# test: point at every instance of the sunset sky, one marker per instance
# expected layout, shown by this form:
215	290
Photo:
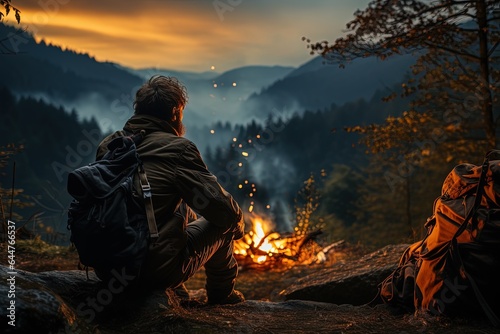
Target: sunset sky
188	35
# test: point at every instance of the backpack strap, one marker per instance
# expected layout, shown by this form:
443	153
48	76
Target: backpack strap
146	191
454	243
478	197
148	203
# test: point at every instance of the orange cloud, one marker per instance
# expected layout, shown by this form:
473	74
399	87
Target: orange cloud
160	39
185	34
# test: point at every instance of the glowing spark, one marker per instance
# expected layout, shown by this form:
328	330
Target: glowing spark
240	164
240	186
212	67
268	206
246	181
258	136
250	209
212	131
215	85
234	84
234	139
245	154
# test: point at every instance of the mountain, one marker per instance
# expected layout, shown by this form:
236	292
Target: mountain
185	77
35	64
316	85
219	97
251	78
67	78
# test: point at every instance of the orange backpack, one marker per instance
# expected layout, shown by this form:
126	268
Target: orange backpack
455	269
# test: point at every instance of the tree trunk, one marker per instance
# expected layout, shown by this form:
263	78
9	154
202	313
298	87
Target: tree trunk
485	99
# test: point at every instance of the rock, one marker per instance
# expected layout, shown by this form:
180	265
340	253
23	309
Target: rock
352	283
32	308
71	302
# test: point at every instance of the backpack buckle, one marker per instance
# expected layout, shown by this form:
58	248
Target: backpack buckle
146	190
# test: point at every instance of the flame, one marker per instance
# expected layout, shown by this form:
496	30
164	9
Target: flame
261	244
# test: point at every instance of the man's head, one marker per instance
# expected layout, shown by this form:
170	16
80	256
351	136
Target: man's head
162	97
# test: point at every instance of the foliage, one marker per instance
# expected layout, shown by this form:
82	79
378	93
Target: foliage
340	193
7	4
306	204
42	248
456	41
10	197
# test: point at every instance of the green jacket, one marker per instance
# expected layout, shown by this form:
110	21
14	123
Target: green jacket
178	176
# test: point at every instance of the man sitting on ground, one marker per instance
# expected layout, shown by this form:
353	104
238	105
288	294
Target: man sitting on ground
181	184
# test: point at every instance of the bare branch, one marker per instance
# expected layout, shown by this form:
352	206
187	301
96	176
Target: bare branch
493	48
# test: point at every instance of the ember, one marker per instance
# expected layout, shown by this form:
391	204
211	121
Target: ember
263	248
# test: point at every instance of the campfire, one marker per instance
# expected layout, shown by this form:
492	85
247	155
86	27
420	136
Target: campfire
262	248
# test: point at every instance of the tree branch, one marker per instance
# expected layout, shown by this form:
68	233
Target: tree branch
453	51
493	48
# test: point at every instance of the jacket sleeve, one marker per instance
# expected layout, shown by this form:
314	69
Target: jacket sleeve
201	191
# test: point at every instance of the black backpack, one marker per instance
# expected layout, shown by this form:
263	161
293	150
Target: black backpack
111	226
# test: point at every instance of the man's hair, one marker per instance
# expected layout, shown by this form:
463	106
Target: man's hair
159	96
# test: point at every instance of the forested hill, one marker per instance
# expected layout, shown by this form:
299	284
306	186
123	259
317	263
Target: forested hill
317	85
276	157
31	67
55	141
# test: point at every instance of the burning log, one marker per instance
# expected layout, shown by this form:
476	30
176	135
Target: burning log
269	250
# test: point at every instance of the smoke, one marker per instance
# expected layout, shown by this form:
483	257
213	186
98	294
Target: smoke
109	115
272	169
